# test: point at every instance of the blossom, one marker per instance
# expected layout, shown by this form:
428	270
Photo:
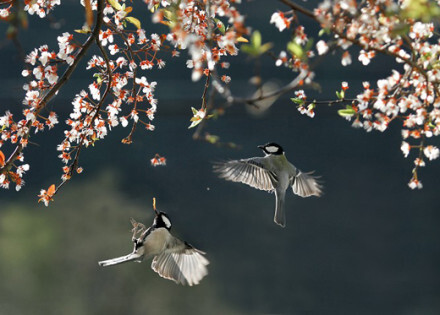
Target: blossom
431	152
419	162
405	147
114	49
158	160
94	90
4	13
415	183
346	59
282	59
321	47
365	57
226	79
300	94
46	195
198	116
280	21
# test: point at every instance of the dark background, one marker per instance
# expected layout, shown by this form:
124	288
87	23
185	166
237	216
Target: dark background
370	245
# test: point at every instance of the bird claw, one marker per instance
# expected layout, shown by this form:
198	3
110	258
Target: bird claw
138	228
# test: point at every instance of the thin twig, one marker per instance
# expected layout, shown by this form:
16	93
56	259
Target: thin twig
54	90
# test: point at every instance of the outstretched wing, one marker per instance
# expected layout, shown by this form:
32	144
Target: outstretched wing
306	185
247	171
181	263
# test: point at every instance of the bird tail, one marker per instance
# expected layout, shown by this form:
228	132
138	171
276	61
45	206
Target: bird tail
306	185
120	260
280	214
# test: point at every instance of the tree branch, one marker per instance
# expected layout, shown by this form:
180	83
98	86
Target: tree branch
299	8
53	91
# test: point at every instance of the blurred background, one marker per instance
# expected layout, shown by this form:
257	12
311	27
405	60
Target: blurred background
370	245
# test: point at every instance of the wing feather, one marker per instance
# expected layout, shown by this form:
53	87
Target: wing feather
181	263
306	185
247	171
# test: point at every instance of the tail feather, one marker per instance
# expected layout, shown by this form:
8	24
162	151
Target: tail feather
306	185
280	214
120	260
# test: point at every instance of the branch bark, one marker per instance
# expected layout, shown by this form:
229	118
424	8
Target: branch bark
54	90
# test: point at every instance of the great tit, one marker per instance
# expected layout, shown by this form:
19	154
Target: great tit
272	173
173	259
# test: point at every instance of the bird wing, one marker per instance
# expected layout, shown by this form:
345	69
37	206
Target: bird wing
181	263
306	185
120	260
247	171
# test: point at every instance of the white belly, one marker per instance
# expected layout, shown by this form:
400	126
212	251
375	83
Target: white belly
156	242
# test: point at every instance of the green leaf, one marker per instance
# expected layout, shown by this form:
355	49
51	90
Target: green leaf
83	31
297	100
341	94
134	21
256	39
266	47
212	138
115	4
324	31
309	45
255	48
295	49
248	49
420	10
347	112
220	26
98	77
195	123
400	29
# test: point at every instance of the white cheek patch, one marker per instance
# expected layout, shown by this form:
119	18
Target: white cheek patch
166	221
272	149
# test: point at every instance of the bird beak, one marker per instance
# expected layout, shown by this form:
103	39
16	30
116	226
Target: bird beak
260	147
154	206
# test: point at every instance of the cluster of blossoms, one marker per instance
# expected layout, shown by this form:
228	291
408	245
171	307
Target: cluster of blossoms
5	12
42	70
298	53
16	176
411	95
132	96
119	94
122	93
198	27
40	7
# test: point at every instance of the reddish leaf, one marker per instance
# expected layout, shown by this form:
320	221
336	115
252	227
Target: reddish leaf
2	159
51	190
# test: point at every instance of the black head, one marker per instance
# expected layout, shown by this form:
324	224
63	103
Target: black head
272	149
162	220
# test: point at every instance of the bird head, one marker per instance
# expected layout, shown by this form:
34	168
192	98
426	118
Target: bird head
271	149
161	220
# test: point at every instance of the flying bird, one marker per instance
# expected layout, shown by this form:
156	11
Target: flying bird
272	173
173	259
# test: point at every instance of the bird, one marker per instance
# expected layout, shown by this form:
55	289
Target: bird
173	258
272	173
